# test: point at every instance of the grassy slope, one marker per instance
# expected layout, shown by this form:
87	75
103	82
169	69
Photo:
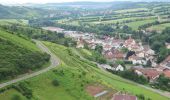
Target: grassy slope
73	82
19	41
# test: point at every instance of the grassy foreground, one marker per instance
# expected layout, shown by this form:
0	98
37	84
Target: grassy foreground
73	76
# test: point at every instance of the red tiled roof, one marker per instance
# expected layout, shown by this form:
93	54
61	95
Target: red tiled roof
166	60
108	55
107	46
117	54
167	73
125	97
149	72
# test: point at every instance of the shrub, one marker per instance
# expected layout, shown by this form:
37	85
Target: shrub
16	97
24	89
55	82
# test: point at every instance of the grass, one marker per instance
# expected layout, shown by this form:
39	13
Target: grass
8	95
131	10
135	25
122	20
18	21
19	41
159	27
74	75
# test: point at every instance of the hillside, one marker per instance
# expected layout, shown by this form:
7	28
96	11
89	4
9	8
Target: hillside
18	56
73	77
7	12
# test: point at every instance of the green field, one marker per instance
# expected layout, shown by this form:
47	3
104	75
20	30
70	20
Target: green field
74	75
159	27
17	21
135	25
131	10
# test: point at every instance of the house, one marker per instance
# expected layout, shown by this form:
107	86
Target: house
149	73
137	60
166	73
118	55
132	45
167	45
80	43
118	67
107	47
148	51
166	62
105	66
140	54
108	54
124	97
117	43
129	41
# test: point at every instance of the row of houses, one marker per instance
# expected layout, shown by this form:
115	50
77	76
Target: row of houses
153	73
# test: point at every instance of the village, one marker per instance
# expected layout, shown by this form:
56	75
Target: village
139	56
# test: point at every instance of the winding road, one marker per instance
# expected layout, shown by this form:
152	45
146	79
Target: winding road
54	62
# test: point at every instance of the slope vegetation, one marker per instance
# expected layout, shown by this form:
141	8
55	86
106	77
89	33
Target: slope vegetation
73	75
18	56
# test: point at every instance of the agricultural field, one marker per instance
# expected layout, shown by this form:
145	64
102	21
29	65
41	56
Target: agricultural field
159	27
135	25
12	21
132	10
73	76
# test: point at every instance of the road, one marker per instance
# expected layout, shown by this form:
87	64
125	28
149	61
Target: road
54	62
163	93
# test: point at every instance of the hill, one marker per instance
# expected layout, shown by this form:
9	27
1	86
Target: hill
70	80
7	12
18	56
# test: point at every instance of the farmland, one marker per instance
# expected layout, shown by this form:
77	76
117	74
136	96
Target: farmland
159	27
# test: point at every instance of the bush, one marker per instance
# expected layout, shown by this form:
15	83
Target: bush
55	82
24	89
16	97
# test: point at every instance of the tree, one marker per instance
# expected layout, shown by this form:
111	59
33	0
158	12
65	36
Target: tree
149	63
156	46
16	97
99	48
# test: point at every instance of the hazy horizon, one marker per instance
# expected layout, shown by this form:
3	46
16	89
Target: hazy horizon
51	1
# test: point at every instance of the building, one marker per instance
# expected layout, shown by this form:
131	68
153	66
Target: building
117	43
124	97
80	43
166	63
118	55
132	45
137	60
54	29
118	67
108	55
166	73
167	45
150	73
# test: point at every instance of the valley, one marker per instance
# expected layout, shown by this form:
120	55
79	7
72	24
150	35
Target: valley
85	51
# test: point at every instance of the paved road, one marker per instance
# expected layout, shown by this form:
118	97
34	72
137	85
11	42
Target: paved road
163	93
54	62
